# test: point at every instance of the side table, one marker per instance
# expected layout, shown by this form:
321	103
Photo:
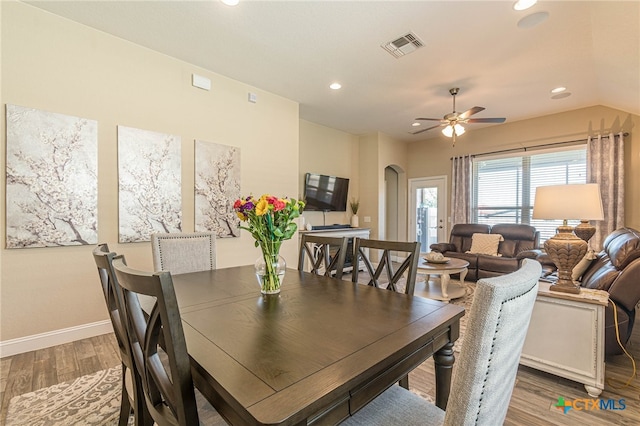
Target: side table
444	291
566	336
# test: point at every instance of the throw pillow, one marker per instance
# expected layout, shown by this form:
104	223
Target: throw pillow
582	266
485	244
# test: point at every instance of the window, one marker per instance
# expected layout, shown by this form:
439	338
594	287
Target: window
504	186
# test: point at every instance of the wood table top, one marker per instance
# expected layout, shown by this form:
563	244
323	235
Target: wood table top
287	358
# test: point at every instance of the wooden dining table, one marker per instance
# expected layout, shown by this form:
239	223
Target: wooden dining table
313	354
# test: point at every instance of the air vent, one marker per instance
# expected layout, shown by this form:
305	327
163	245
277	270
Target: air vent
403	45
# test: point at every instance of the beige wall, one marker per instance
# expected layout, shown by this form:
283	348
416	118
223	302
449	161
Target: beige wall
393	153
331	152
432	157
57	65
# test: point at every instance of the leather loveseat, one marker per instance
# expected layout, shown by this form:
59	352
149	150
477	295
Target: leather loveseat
616	269
518	242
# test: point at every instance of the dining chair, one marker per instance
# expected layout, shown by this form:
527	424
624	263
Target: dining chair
485	373
321	258
180	253
376	272
159	347
132	396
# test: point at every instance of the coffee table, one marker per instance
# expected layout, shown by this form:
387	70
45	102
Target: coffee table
444	290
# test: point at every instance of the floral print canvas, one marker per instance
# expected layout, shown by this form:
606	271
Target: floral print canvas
52	188
149	184
217	185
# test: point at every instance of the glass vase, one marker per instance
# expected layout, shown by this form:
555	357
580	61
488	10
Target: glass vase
270	268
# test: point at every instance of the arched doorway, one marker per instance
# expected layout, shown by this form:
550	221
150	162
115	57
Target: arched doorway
395	204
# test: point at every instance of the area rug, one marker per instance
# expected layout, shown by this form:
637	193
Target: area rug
93	399
465	302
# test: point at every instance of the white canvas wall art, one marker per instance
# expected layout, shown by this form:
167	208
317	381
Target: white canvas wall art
52	190
217	186
149	184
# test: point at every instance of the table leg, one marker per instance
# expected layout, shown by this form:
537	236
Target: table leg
444	282
443	361
463	275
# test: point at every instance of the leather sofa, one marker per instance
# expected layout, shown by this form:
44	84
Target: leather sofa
616	269
519	241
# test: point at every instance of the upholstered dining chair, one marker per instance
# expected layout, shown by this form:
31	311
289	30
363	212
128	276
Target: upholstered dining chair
384	269
132	396
485	372
159	348
322	260
180	253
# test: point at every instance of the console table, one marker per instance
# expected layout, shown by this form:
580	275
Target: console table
566	336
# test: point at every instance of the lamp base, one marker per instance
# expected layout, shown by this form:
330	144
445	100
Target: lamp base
566	250
585	230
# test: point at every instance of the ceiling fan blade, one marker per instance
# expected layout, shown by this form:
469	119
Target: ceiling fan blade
486	120
430	119
424	130
470	112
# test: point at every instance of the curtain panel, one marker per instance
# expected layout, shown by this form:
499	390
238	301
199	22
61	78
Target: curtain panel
461	175
605	166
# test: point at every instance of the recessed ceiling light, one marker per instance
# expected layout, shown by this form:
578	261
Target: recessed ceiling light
558	89
416	124
561	95
524	4
532	20
335	86
230	2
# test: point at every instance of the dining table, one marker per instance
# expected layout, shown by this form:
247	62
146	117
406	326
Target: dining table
313	354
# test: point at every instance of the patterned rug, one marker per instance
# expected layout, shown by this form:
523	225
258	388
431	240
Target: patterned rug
465	302
93	399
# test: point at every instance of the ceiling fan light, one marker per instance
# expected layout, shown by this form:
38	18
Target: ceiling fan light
448	131
524	4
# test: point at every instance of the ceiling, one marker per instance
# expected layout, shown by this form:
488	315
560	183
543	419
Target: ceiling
297	48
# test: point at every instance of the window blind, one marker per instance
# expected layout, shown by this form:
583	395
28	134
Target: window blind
504	186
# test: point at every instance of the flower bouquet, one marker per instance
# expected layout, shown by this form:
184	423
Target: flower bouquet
270	221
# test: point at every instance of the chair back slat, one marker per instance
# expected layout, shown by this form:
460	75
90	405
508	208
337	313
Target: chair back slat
326	255
158	344
133	398
384	268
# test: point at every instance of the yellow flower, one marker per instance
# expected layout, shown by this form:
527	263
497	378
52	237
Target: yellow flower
242	216
262	207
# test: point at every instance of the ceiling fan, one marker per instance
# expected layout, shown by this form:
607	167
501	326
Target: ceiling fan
454	120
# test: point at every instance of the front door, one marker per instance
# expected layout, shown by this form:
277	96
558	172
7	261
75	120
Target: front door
427	211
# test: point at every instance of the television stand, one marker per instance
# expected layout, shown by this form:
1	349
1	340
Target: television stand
325	227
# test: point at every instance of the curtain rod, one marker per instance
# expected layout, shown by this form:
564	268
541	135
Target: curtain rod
532	148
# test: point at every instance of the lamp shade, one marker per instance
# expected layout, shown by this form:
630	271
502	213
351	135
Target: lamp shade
577	201
448	131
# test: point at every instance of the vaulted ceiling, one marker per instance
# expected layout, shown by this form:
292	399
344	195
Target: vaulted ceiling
504	60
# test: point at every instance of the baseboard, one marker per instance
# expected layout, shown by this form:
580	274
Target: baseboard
53	338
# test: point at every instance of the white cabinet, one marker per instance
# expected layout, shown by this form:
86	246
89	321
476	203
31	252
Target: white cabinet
566	336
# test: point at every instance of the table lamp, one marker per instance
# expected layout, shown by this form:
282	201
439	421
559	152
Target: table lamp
566	249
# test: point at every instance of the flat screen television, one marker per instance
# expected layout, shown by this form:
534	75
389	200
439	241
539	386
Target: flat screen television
325	193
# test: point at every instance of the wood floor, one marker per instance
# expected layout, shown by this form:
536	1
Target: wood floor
532	403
